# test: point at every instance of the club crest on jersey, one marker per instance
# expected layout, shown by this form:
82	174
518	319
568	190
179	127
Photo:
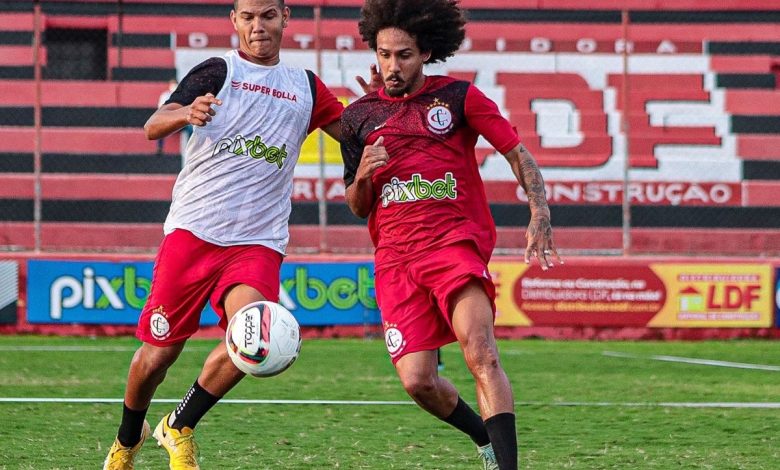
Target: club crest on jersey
394	339
419	189
158	324
254	148
439	118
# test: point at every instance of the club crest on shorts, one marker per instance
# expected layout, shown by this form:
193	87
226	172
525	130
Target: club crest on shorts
158	324
439	118
394	339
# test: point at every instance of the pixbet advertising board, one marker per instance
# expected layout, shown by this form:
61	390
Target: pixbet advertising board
96	292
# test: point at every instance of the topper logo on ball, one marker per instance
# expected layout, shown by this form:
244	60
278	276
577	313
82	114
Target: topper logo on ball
249	330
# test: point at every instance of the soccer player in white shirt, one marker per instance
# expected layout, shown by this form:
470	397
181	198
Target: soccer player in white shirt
227	228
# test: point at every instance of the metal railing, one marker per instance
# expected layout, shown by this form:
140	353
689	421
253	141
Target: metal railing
673	120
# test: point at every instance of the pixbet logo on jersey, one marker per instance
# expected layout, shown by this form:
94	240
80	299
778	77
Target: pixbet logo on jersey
419	189
254	148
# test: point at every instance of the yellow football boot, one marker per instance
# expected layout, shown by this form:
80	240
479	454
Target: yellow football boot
121	457
180	445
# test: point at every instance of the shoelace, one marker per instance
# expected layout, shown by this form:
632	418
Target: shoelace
189	450
123	456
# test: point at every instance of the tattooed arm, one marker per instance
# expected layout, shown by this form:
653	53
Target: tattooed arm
539	233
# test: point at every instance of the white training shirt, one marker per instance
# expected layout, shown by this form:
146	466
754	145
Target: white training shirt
236	183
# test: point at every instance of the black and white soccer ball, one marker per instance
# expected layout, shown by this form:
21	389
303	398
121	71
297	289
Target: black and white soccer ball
263	339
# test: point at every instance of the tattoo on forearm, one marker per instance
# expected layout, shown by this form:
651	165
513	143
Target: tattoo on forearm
533	184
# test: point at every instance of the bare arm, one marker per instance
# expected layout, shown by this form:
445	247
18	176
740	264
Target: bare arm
360	197
173	116
334	129
360	194
539	233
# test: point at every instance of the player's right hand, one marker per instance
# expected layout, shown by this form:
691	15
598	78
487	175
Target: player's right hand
200	111
374	83
374	157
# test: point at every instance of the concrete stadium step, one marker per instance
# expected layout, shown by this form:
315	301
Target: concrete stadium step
83	140
82	93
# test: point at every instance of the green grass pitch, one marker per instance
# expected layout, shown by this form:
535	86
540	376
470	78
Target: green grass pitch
577	407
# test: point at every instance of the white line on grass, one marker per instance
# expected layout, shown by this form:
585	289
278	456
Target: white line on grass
691	360
664	404
88	348
236	401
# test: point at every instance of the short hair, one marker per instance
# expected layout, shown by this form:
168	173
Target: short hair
235	4
438	26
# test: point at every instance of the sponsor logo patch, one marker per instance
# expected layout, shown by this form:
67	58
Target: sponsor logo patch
263	89
254	148
419	189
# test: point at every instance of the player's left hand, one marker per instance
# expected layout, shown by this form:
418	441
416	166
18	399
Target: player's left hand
374	157
375	81
540	242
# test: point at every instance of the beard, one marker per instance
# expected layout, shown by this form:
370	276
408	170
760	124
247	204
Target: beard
401	89
397	92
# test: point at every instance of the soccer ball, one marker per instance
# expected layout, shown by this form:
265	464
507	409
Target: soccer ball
263	339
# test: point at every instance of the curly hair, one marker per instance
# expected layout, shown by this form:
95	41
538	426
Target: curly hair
438	26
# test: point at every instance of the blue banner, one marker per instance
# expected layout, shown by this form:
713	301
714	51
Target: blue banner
90	292
113	293
330	293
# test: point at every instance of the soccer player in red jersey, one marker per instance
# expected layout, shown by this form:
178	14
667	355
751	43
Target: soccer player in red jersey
410	168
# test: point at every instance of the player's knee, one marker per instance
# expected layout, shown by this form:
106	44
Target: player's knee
155	361
239	296
419	387
482	358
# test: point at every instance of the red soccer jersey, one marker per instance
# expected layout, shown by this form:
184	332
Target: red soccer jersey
430	193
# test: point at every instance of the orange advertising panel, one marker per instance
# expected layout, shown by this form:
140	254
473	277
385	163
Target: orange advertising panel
716	295
625	294
505	275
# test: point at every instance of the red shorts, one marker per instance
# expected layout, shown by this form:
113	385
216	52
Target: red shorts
188	272
414	298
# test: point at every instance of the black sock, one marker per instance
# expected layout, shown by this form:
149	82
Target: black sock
196	403
130	428
501	429
465	419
